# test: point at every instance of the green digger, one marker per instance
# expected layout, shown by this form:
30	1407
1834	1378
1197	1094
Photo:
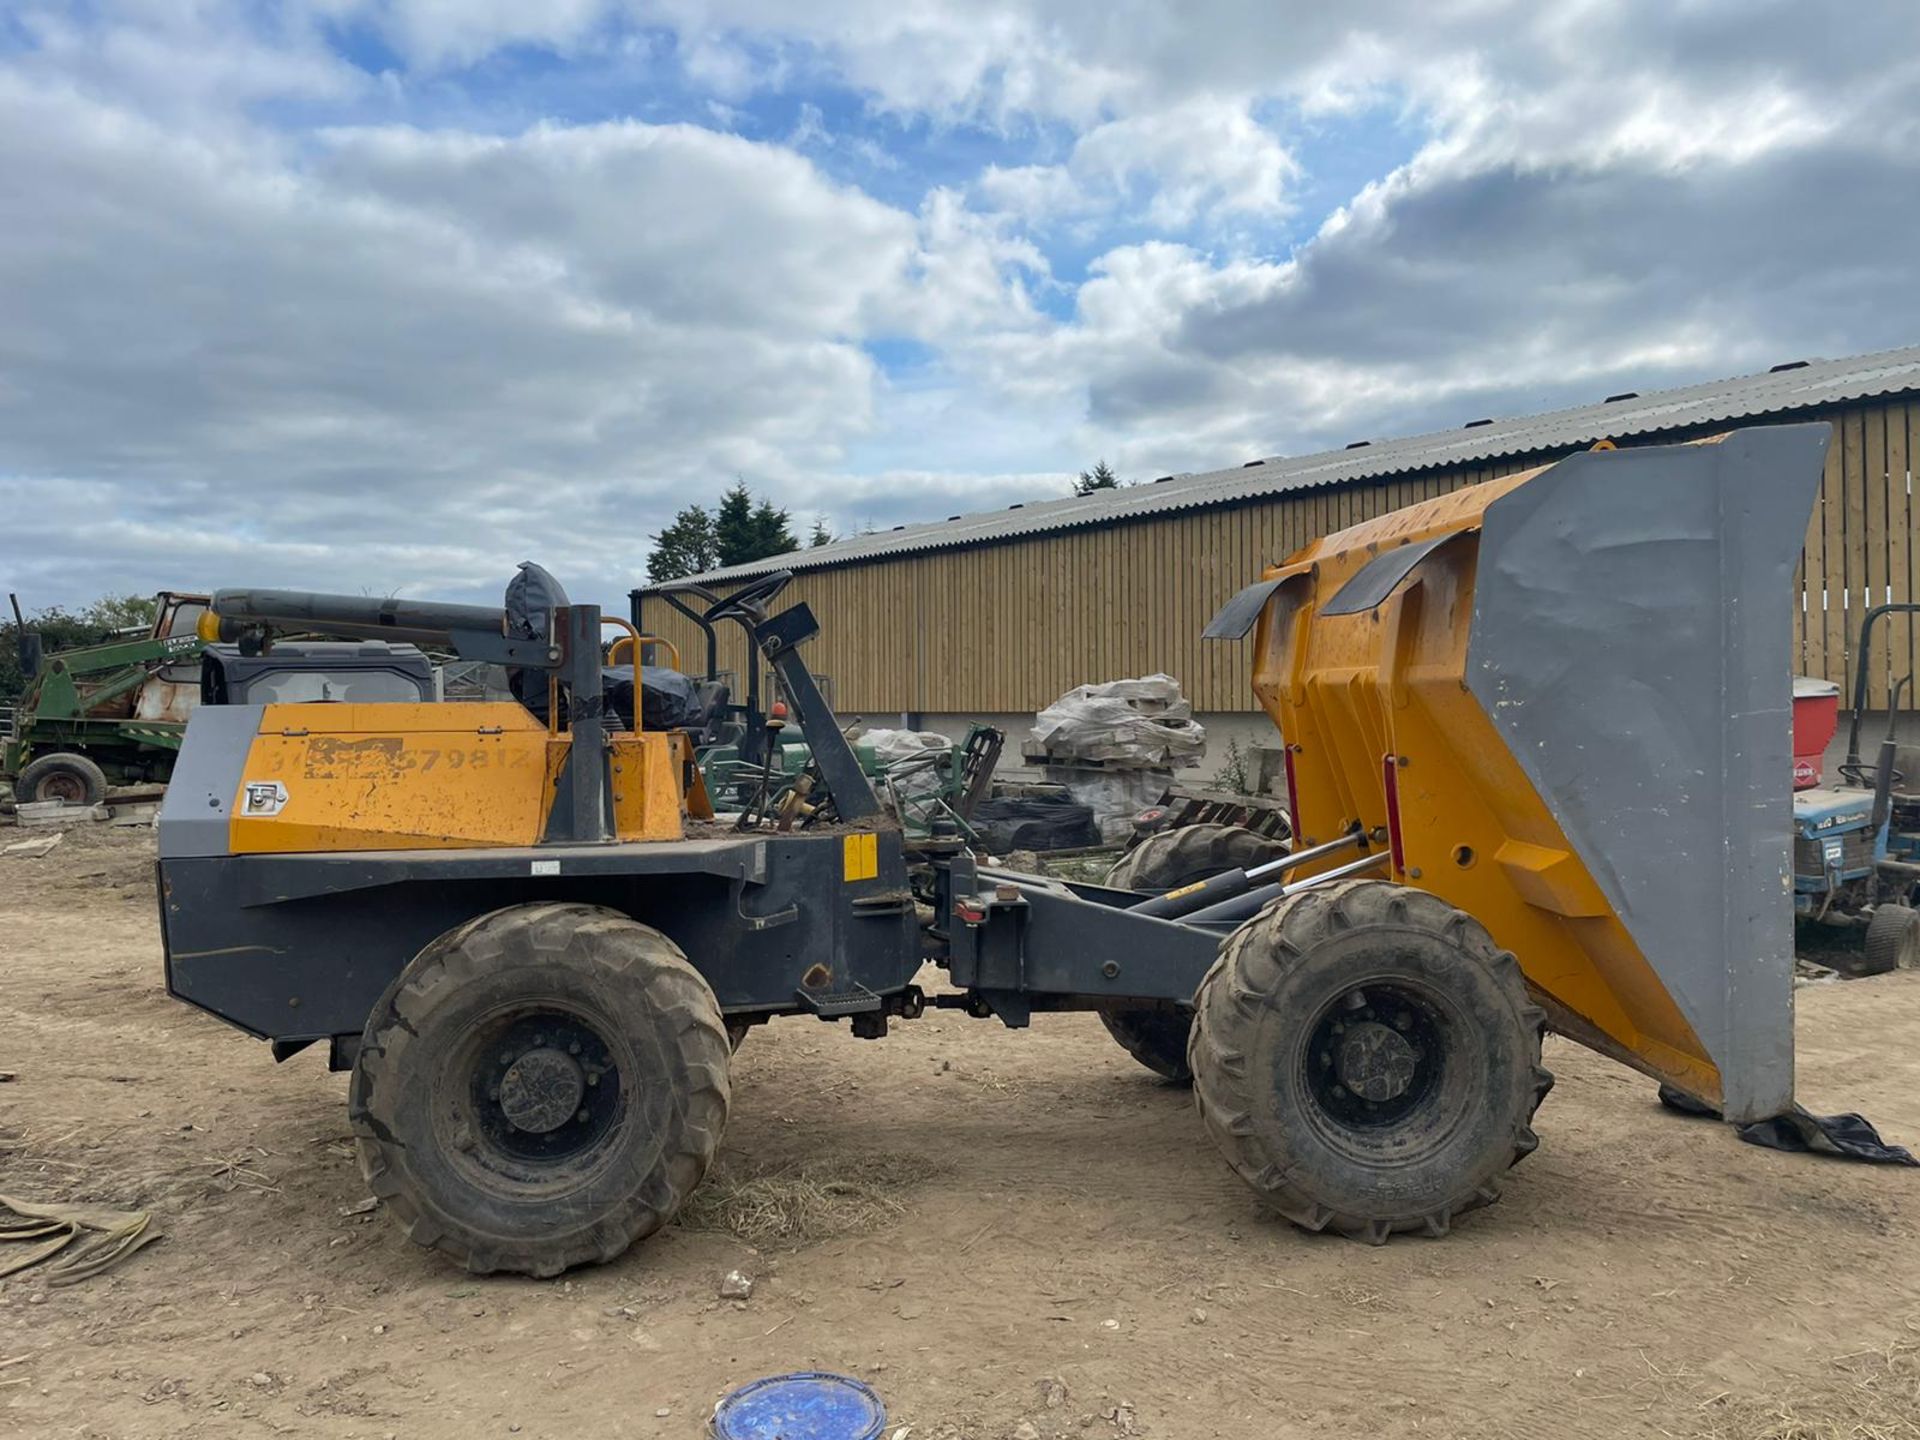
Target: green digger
115	713
107	714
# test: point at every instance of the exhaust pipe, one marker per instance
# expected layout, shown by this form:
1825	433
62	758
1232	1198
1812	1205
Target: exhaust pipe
32	648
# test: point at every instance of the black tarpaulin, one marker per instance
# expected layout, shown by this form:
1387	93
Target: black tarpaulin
1849	1136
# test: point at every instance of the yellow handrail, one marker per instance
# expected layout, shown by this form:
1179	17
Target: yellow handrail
634	638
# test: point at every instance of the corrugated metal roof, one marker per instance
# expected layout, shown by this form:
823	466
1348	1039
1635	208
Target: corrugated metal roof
1798	386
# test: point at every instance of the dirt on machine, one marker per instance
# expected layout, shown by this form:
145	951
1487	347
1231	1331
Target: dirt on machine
1535	738
115	713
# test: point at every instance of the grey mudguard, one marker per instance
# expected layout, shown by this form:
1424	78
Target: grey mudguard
1381	576
198	804
1238	615
1631	630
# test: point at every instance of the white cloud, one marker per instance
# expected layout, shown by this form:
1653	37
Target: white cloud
381	354
1200	160
444	33
1034	193
1202	157
970	276
181	62
476	348
672	221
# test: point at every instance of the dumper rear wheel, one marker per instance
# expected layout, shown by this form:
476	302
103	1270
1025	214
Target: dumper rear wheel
1157	1038
1367	1059
540	1088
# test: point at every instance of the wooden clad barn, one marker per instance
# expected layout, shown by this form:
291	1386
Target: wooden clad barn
999	613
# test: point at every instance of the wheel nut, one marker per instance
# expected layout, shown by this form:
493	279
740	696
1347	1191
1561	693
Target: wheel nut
574	1048
581	1117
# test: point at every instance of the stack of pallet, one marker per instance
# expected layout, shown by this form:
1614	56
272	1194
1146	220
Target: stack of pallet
1137	724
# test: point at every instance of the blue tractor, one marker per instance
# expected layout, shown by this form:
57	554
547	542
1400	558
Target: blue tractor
1856	845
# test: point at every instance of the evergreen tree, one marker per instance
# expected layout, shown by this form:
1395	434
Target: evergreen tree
1098	478
770	533
737	530
686	547
734	531
821	534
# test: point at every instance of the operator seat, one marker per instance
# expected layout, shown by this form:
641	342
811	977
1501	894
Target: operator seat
669	700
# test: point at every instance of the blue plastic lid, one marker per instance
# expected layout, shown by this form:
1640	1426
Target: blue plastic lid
809	1405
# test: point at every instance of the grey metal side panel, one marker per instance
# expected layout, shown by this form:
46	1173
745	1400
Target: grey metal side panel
195	812
1630	639
303	960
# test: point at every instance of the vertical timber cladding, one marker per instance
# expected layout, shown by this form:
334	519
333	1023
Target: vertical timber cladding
1006	627
1862	550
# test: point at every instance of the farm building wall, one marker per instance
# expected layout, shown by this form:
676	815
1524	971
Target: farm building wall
1003	628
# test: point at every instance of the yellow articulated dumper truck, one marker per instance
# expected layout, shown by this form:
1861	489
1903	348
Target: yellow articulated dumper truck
1537	741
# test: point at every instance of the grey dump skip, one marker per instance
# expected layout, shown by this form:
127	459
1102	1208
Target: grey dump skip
196	810
1630	639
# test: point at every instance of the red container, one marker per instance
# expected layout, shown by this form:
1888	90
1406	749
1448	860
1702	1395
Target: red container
1816	715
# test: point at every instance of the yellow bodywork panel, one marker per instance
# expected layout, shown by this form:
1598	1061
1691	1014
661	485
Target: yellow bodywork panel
646	787
418	776
1354	695
860	858
699	804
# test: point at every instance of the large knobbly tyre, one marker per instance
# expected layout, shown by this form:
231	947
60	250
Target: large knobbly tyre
1367	1059
1171	858
1156	1038
1162	862
540	1088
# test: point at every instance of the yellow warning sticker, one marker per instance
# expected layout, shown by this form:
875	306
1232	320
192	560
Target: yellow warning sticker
1184	890
861	858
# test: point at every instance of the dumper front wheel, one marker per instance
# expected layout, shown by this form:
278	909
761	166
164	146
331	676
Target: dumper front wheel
1368	1060
540	1088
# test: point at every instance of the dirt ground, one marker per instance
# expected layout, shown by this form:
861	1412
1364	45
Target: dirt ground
1007	1229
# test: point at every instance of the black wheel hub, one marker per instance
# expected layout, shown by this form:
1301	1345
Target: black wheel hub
1374	1056
541	1090
1375	1062
543	1087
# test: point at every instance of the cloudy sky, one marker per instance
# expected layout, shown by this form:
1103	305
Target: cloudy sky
386	295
